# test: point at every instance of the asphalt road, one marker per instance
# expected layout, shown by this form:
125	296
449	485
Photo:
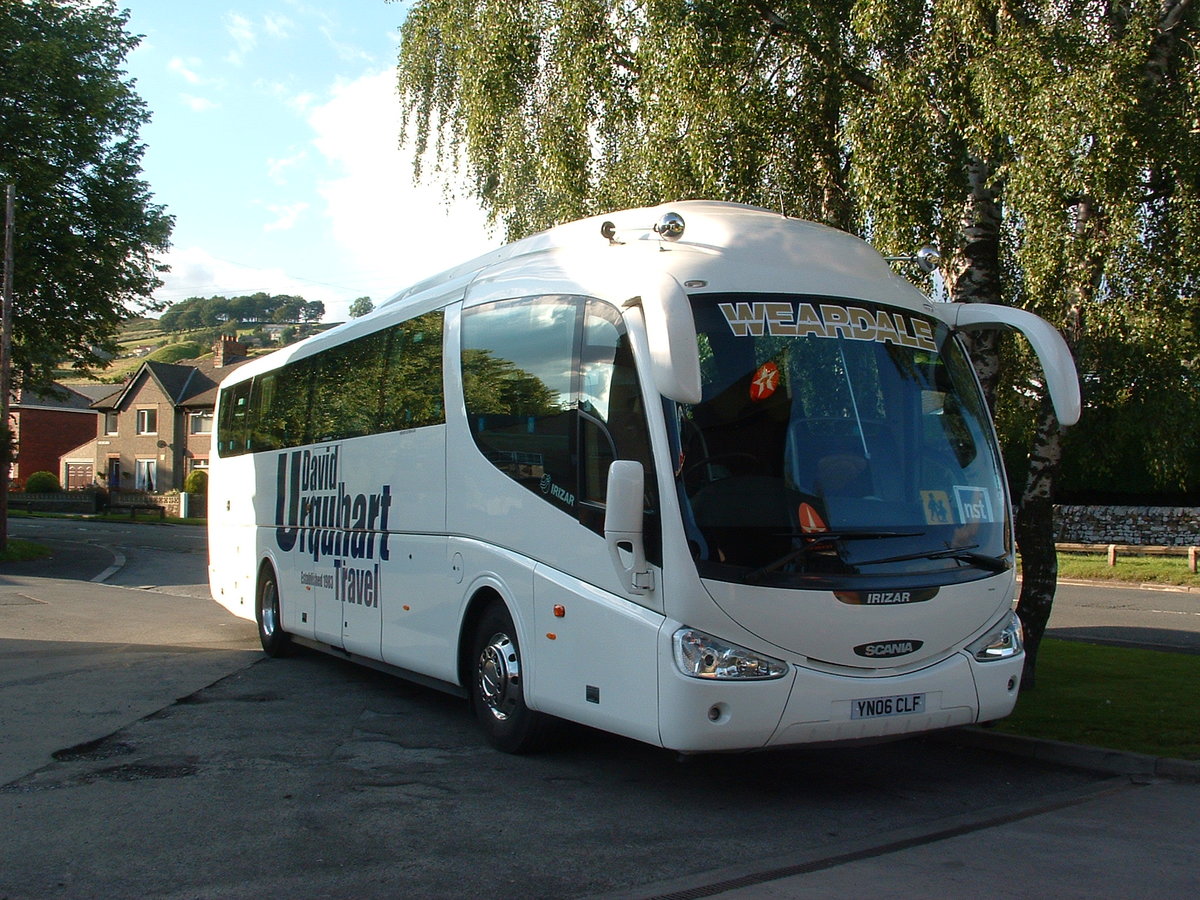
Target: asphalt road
1127	616
150	750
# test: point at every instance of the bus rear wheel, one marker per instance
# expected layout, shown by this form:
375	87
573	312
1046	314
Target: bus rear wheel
275	641
497	694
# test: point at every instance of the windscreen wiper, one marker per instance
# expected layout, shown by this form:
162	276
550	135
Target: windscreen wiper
816	540
961	554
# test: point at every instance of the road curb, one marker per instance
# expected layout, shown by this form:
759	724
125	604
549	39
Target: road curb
1130	585
1080	756
117	566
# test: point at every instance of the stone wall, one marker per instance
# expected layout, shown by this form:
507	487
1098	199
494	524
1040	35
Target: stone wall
59	501
170	502
1169	526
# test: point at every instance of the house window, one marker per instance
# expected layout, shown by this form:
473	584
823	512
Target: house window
146	471
198	464
147	421
200	422
110	422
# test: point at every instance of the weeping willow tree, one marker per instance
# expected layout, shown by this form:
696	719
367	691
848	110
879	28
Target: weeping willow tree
1050	148
1054	148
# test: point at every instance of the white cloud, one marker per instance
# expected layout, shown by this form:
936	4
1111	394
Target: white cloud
301	103
345	51
278	26
198	104
244	37
197	273
185	69
286	216
394	232
277	169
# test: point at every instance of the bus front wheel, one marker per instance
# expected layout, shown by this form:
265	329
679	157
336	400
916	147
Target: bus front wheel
275	641
497	695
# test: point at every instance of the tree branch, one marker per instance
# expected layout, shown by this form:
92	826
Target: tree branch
778	25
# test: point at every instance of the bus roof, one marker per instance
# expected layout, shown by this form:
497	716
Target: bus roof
754	248
724	247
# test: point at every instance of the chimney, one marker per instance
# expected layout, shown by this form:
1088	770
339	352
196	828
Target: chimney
226	350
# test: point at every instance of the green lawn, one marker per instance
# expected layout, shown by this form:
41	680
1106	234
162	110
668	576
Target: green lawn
1143	701
21	551
1136	569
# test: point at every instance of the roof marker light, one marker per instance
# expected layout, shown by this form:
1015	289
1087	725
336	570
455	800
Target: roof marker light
670	227
608	231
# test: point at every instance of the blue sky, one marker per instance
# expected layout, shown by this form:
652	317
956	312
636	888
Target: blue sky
275	144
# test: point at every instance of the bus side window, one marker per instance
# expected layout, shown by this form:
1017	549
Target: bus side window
232	427
517	365
610	403
612	420
410	389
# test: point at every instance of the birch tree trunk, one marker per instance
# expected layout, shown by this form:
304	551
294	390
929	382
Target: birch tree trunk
977	276
1035	538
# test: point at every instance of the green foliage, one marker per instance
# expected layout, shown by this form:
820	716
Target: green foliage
87	231
228	313
360	307
196	482
1048	147
42	483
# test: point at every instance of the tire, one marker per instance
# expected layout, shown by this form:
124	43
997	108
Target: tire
497	693
275	641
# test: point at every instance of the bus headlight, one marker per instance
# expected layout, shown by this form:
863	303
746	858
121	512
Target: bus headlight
701	655
1004	640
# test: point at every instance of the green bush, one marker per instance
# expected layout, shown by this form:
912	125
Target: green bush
196	482
42	483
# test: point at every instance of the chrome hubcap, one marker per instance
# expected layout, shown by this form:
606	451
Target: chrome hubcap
498	675
270	609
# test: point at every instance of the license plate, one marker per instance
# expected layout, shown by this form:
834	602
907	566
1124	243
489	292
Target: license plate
879	707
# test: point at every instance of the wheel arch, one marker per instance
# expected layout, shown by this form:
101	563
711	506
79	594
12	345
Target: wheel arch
265	565
482	597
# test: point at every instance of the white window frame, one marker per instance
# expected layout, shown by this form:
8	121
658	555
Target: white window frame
143	415
145	470
200	417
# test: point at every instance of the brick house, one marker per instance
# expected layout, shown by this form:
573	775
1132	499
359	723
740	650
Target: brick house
47	423
157	428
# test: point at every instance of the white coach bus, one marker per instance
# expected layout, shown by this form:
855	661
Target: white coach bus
701	475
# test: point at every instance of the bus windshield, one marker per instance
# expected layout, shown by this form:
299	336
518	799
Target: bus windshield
838	443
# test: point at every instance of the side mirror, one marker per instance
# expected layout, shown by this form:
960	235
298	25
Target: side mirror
623	525
671	333
1062	381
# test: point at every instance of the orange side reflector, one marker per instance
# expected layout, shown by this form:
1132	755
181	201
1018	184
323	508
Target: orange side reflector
559	610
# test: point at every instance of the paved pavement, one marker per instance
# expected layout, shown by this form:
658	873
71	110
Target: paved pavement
1126	839
1135	834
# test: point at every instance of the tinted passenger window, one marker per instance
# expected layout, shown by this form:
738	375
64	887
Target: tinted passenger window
552	398
388	380
517	362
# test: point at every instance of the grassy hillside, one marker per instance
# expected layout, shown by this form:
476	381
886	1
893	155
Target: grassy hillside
141	339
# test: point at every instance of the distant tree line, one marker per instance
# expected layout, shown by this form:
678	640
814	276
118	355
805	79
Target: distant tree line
255	309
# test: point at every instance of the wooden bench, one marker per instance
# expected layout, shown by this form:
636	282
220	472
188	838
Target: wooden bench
134	507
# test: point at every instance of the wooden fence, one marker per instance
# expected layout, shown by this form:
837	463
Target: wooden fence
1112	551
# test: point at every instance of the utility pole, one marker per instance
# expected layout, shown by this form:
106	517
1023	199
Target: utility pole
6	364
